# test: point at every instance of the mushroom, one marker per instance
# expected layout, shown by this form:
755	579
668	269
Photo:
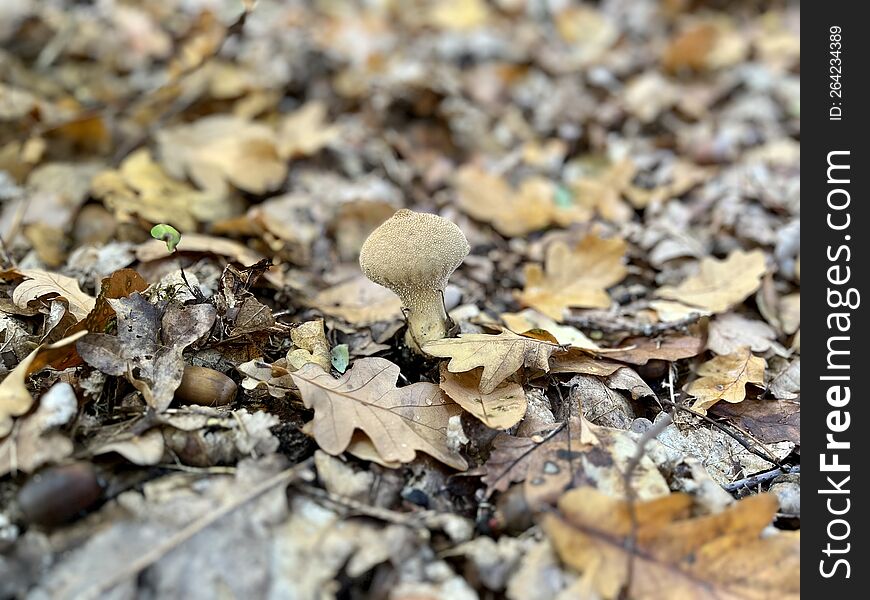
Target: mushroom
413	254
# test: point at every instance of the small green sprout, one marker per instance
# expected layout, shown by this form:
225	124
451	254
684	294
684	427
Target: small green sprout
168	234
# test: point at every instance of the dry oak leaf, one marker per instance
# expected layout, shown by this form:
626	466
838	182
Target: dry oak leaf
359	301
641	350
15	399
42	284
398	421
529	319
222	149
500	355
725	378
502	408
304	132
722	556
719	284
142	188
575	277
513	212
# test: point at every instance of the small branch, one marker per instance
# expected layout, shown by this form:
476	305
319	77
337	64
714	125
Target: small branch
759	479
767	455
616	324
149	558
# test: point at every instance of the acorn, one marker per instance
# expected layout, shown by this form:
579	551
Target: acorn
59	494
206	387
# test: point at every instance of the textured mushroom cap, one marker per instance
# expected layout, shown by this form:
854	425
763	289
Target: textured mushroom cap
412	251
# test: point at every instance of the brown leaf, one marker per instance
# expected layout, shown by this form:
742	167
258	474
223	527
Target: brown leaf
489	198
529	319
770	421
670	348
589	455
711	557
500	355
398	421
579	453
42	284
359	302
719	284
502	408
574	277
221	150
728	333
15	399
141	188
579	361
309	338
725	378
149	346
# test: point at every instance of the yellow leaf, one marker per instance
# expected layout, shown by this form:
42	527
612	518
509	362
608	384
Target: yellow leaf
714	557
575	277
489	198
42	284
142	188
304	132
219	150
502	408
309	338
725	378
15	399
720	284
500	355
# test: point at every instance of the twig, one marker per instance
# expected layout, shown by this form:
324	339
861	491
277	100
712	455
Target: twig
149	558
609	324
759	478
412	520
767	455
631	497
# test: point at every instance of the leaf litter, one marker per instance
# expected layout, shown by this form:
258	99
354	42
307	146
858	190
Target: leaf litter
622	343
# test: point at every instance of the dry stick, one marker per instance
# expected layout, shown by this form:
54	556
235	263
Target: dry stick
767	455
158	552
607	324
759	478
650	434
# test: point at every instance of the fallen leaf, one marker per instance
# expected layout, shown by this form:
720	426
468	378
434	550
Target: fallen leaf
311	346
585	454
711	557
574	277
719	284
602	187
502	408
730	332
489	198
398	421
42	284
149	346
359	301
304	132
725	378
222	150
500	355
36	441
141	188
787	385
641	350
275	377
769	421
15	399
580	361
529	319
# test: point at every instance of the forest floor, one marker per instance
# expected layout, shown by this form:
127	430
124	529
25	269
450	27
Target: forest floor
615	408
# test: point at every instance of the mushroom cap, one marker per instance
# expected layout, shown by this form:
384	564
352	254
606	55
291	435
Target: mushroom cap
411	251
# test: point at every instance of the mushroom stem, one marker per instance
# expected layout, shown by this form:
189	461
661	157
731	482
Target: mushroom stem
427	319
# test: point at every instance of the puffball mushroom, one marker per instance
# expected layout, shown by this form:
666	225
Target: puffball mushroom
413	254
